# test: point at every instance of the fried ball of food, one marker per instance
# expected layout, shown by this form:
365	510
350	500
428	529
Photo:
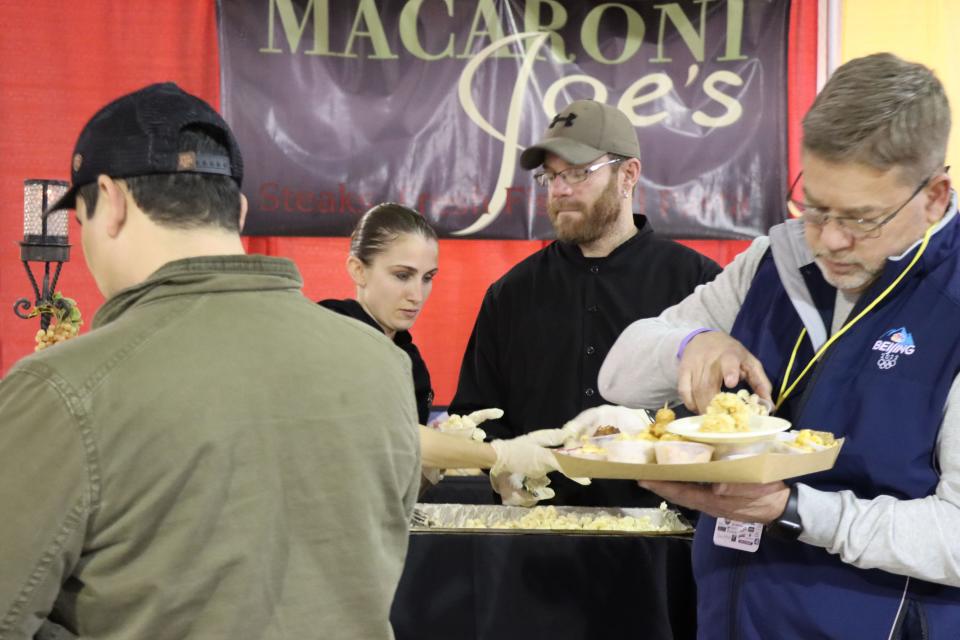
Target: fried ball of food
657	429
665	415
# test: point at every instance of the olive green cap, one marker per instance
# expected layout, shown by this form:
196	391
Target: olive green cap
582	132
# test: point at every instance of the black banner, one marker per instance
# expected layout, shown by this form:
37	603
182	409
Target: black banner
341	105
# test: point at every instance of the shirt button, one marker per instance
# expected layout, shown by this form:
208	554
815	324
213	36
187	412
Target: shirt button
590	351
594	269
592	308
588	392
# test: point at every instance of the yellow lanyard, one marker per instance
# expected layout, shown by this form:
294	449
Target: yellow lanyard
785	391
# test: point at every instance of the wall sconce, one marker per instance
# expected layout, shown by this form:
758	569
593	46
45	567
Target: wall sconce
45	240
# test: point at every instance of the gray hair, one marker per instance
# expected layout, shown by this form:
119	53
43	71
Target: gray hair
883	112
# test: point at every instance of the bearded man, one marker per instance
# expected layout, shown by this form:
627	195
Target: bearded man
545	327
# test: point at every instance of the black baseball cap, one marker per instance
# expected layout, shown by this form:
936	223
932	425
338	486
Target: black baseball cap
137	135
582	132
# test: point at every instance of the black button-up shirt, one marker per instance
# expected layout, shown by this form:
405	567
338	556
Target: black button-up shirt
545	327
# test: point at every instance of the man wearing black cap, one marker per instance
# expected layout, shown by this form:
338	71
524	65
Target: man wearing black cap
545	327
217	458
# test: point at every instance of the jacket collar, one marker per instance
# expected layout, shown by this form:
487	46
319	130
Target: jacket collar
793	259
207	274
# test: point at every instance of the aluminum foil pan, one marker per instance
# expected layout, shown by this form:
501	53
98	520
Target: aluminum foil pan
498	519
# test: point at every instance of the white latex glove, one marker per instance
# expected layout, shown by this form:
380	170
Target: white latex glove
523	456
520	473
432	474
515	491
466	426
547	437
551	438
624	418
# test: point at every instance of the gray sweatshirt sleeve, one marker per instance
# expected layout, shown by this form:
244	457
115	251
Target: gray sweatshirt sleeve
916	538
641	368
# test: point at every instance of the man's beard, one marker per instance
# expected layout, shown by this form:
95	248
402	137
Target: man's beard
855	281
595	220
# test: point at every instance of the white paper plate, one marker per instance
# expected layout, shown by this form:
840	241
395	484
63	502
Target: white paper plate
761	428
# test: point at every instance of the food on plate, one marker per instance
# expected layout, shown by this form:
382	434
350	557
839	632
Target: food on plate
606	430
682	452
720	423
730	412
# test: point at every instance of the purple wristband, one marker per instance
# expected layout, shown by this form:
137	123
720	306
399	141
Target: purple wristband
690	336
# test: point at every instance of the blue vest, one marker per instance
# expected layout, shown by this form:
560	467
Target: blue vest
882	386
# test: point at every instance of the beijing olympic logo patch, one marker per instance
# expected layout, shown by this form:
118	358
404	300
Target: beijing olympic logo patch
893	344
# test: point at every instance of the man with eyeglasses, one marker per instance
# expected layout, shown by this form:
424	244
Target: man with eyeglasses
846	317
544	328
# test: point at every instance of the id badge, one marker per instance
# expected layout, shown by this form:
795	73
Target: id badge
742	536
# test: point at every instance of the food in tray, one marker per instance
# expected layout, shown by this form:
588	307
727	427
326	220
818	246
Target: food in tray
661	419
730	412
682	452
811	438
667	437
589	451
549	518
606	430
805	441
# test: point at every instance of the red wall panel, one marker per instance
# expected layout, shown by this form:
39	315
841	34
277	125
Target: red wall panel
62	61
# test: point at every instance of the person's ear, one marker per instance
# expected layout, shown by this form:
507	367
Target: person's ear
357	271
630	172
114	209
938	197
243	210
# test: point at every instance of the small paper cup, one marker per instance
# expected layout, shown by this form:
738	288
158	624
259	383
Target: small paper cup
632	451
745	450
679	452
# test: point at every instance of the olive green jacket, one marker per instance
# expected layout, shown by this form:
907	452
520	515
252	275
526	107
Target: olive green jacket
218	458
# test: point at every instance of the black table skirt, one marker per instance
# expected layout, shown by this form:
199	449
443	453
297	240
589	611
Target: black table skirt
576	587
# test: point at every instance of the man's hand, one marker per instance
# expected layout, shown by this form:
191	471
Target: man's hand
744	502
714	360
626	419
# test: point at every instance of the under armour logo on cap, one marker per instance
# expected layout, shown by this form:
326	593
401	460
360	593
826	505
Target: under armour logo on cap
567	120
582	132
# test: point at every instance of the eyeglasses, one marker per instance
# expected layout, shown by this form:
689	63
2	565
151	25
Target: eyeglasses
857	228
571	176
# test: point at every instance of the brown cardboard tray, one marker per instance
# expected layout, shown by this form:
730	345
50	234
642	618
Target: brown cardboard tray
764	467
